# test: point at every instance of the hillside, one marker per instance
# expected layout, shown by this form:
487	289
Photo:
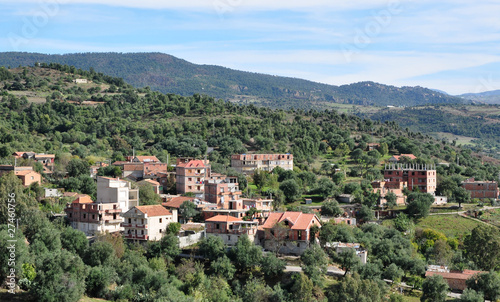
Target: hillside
168	74
489	97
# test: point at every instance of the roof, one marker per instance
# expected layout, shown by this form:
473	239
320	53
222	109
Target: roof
25	172
133	167
177	201
297	220
454	275
70	194
154	210
147	159
222	218
154	183
192	164
20	153
410	156
82	198
45	155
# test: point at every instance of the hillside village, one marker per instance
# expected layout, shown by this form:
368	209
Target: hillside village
127	194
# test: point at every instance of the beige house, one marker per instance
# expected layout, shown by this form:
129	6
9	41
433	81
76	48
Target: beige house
248	163
116	190
142	223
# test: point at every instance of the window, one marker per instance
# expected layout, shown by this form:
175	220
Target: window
160	230
70	215
84	216
300	235
228	238
130	220
161	220
93	216
190	179
217	226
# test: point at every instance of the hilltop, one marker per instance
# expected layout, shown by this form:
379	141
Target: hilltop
168	74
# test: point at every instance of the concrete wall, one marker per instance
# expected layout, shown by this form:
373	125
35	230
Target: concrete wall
185	241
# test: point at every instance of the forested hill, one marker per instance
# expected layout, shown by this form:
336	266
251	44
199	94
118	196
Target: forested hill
169	74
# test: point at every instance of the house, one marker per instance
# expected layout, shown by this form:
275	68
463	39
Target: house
345	198
45	159
222	189
153	169
116	190
93	218
289	232
372	146
190	176
248	163
80	81
28	177
341	247
52	193
230	228
383	188
421	177
174	204
456	279
133	169
239	208
94	168
146	223
396	158
344	220
481	189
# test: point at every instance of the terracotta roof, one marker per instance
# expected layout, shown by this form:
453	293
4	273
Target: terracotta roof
133	167
82	198
70	194
177	201
154	210
120	162
20	153
297	220
410	156
222	218
24	172
192	164
147	159
45	155
154	183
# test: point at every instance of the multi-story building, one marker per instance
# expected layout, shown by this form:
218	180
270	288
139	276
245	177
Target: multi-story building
230	228
191	175
383	188
412	176
481	189
143	223
248	163
116	190
289	232
222	189
93	218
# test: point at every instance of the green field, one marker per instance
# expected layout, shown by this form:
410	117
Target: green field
450	225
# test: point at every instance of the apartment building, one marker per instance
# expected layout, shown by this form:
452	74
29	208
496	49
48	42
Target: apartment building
146	223
93	218
222	189
481	189
422	177
116	190
248	163
191	175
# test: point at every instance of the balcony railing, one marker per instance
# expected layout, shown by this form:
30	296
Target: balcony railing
134	236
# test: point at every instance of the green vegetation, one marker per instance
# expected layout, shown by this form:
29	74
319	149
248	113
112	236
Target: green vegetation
451	225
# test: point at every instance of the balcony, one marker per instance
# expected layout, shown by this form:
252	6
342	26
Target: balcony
134	236
111	211
112	221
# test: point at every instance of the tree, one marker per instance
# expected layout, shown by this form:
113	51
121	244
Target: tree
187	210
74	241
347	260
487	283
419	204
246	254
325	187
470	295
272	265
403	223
482	246
314	263
331	208
111	171
60	276
212	247
365	214
147	195
169	245
290	189
173	228
391	199
353	289
99	253
98	280
223	267
461	195
77	167
302	288
434	289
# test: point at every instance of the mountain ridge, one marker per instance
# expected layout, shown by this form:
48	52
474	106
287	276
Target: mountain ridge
169	74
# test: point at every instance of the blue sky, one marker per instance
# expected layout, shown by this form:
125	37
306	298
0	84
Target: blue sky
449	45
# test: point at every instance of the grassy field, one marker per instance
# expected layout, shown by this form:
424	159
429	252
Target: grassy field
461	140
491	216
450	225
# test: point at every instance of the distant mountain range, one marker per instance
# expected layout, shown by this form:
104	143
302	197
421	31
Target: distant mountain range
169	74
489	97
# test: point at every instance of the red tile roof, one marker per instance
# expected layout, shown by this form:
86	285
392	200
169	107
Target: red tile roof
154	210
82	198
133	167
192	164
177	201
410	156
454	275
152	182
297	220
222	218
147	159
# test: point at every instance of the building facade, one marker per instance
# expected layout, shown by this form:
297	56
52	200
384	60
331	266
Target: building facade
116	190
190	177
143	223
248	163
412	177
230	229
481	189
